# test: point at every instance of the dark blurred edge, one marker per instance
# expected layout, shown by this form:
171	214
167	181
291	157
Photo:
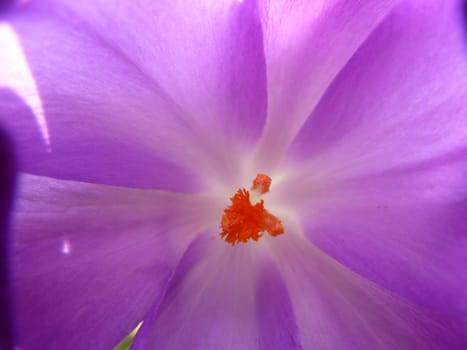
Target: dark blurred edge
6	4
7	182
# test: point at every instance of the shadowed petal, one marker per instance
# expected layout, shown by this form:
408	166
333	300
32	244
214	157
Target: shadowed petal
88	260
212	302
306	45
337	309
7	182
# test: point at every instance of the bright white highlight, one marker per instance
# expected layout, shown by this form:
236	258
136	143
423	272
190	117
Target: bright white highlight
66	247
17	76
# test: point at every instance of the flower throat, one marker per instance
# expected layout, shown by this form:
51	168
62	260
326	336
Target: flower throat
246	218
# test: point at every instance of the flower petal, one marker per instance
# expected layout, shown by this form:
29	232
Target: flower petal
78	110
383	190
212	302
337	309
277	326
88	260
307	43
400	99
208	55
404	229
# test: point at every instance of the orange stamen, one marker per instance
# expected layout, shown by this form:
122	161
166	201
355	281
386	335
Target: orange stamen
243	221
261	183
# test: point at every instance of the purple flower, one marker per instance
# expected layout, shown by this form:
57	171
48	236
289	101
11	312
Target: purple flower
137	121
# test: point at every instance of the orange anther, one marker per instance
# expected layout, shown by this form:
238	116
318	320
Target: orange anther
243	221
261	183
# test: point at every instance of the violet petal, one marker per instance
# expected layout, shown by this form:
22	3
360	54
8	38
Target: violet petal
404	229
384	181
82	112
337	309
212	302
306	45
207	55
400	99
89	260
